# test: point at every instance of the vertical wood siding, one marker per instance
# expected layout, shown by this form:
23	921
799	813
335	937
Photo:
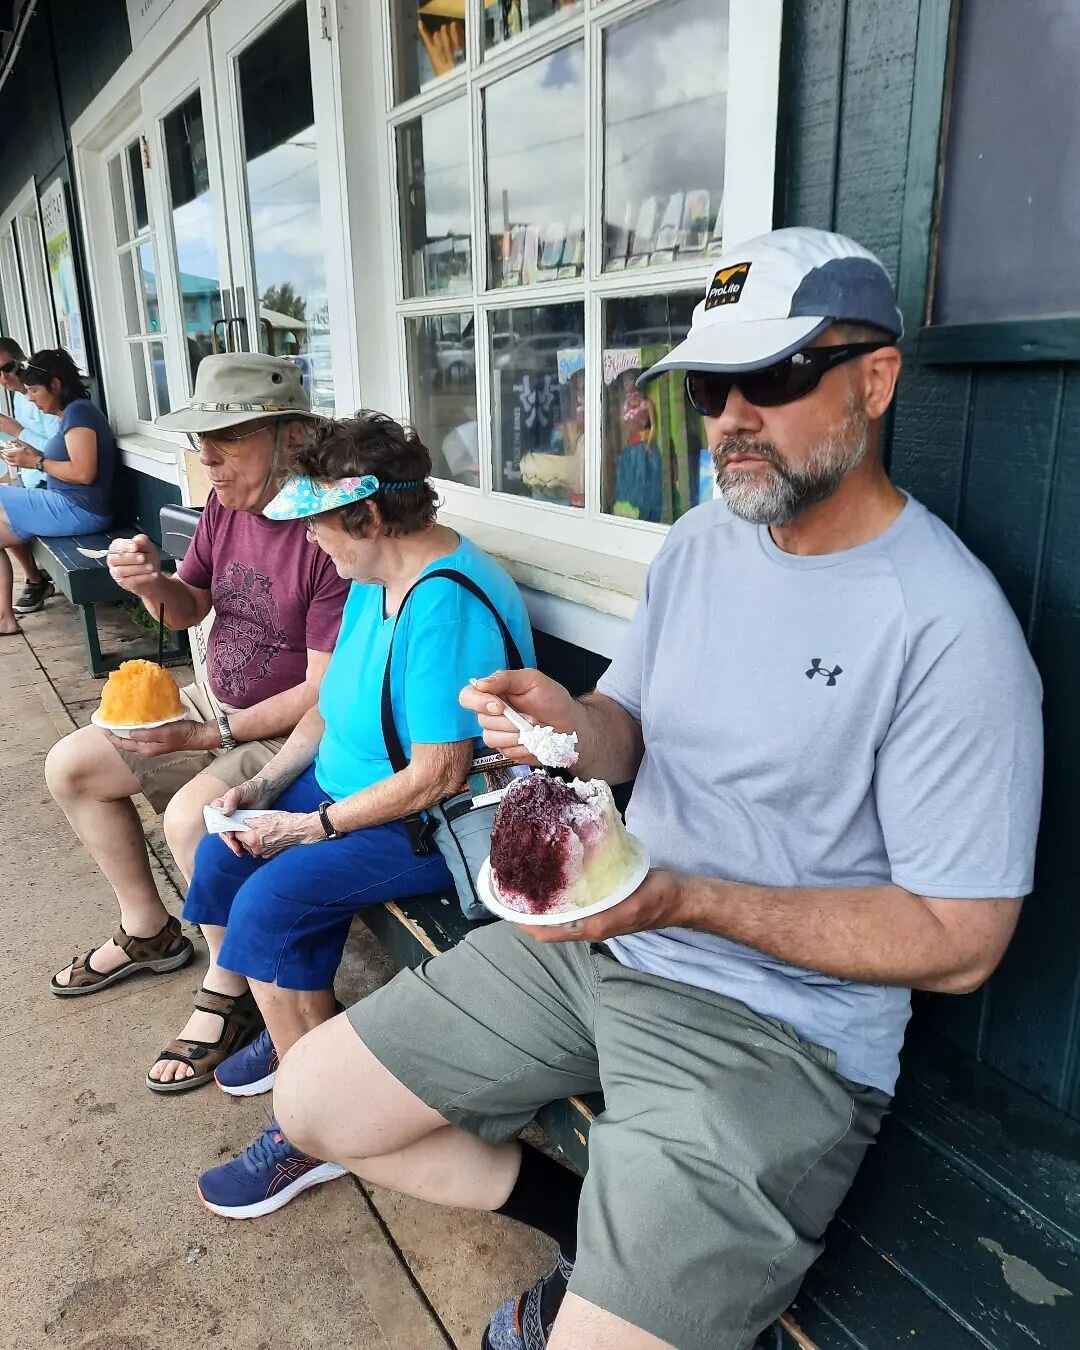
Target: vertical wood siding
993	450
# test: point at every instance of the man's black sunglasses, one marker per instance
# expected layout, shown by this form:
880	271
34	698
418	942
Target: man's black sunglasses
783	382
9	367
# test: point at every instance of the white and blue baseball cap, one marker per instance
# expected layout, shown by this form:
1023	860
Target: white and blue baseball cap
772	295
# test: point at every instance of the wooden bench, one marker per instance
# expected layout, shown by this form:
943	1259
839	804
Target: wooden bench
86	582
962	1228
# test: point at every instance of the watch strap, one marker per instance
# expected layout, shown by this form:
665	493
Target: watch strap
228	740
327	823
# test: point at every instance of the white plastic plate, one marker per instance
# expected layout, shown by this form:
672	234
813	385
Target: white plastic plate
487	894
123	729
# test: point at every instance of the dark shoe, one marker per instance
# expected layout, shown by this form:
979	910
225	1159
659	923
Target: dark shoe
240	1021
525	1322
33	595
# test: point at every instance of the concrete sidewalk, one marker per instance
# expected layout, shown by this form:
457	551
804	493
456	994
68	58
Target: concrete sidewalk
103	1245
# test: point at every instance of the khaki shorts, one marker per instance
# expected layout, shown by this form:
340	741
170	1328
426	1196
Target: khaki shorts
162	776
726	1145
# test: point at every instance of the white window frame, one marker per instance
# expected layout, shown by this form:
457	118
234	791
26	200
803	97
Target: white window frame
754	41
32	306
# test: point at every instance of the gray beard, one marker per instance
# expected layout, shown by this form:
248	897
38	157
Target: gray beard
782	494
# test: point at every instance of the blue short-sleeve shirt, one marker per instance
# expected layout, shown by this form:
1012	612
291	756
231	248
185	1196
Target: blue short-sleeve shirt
445	637
95	497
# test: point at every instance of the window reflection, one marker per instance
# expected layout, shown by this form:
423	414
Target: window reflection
433	154
665	99
194	228
538	403
442	379
505	20
283	201
535	150
656	462
429	43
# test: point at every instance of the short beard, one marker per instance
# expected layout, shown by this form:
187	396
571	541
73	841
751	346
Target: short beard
782	494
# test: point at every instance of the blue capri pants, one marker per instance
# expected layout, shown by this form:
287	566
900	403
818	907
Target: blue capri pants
286	918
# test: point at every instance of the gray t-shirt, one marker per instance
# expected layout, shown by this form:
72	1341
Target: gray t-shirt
851	719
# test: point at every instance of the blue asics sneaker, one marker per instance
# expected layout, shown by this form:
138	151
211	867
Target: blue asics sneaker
249	1070
265	1177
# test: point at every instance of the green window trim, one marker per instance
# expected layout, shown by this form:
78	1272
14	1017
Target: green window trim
1008	341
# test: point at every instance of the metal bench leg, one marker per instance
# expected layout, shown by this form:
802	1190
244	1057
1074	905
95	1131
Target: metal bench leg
90	639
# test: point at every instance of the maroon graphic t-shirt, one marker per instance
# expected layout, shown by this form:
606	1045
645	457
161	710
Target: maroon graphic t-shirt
275	595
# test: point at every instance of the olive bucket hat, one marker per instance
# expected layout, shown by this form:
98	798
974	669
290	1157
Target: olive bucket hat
237	387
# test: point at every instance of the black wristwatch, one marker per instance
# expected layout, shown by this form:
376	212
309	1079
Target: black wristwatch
40	465
327	823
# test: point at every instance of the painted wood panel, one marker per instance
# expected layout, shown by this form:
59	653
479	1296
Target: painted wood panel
995	451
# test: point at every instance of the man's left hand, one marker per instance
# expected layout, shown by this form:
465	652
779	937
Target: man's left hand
273	833
659	902
185	735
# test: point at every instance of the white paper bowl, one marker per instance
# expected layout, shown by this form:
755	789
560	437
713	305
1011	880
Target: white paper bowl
123	730
487	894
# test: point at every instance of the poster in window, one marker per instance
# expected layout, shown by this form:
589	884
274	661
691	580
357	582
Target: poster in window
61	260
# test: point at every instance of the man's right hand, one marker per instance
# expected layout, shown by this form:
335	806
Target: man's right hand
535	696
135	565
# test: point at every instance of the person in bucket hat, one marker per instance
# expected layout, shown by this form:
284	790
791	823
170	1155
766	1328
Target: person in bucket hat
277	604
832	725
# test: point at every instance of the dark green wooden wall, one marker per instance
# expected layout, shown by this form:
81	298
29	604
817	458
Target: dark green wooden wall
995	451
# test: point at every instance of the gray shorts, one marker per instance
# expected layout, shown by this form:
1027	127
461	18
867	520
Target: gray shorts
162	776
726	1145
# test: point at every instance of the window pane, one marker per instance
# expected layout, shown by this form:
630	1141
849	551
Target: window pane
433	155
442	383
283	199
665	100
429	42
119	200
656	459
538	402
161	378
140	213
148	275
142	389
194	229
535	149
1010	230
127	262
505	19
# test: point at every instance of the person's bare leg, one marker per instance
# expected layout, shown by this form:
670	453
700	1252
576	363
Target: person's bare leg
581	1323
8	539
25	558
94	787
334	1100
203	1026
292	1013
183	822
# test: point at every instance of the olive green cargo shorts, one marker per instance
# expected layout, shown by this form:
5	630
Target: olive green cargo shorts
725	1147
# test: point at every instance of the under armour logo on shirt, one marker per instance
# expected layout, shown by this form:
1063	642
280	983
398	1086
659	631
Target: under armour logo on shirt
816	668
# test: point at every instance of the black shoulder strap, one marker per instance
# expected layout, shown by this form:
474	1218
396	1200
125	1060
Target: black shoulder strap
394	750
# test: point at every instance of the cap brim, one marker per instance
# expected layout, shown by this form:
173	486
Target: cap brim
194	419
727	347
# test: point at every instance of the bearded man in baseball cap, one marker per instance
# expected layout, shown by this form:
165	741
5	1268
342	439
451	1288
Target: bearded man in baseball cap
277	602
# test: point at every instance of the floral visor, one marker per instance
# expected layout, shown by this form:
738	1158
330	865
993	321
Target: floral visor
304	496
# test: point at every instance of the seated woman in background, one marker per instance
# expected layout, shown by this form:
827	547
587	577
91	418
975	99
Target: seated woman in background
285	889
78	462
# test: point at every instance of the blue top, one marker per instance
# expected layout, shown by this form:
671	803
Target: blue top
445	637
95	497
37	427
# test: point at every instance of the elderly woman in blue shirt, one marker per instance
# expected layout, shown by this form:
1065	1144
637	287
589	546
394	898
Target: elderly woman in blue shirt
78	463
286	888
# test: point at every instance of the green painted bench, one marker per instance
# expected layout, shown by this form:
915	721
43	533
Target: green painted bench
963	1226
86	582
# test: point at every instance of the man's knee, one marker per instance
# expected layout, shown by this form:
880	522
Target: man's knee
81	765
184	825
296	1098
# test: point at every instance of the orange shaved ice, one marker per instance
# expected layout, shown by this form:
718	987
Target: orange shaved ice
139	692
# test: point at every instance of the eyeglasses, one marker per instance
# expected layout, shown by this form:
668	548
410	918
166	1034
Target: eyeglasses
783	382
9	368
224	442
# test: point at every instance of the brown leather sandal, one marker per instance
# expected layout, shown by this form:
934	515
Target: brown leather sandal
167	950
241	1022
